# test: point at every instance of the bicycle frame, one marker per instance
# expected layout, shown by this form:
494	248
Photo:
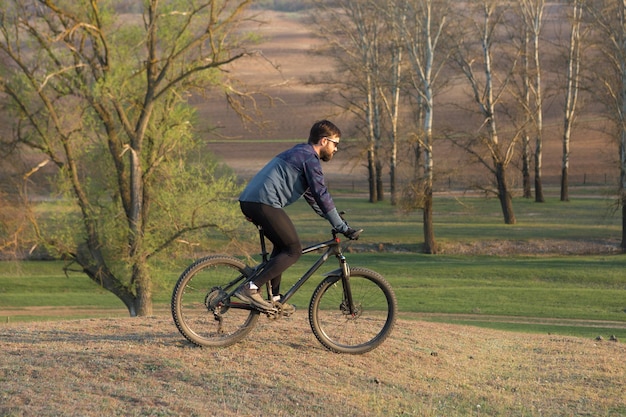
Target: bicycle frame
332	247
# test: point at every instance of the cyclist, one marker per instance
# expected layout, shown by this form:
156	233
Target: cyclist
290	175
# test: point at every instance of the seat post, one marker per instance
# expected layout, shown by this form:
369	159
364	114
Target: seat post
262	240
264	254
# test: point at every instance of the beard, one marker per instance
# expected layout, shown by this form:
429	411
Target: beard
326	155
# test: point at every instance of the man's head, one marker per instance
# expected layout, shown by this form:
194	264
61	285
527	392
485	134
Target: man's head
325	137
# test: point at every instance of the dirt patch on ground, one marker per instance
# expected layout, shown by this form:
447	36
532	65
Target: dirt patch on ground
534	247
537	247
60	312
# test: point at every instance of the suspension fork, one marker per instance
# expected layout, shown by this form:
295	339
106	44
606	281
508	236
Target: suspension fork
345	281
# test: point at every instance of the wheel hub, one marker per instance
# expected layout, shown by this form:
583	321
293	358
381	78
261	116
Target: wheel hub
345	309
216	301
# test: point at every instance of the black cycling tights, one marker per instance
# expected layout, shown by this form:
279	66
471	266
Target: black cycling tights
280	230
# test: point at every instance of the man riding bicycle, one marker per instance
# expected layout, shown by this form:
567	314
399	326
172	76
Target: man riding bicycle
290	175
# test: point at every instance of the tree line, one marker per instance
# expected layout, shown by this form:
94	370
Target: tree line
398	61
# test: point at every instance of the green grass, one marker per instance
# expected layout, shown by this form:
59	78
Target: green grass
473	219
564	287
36	284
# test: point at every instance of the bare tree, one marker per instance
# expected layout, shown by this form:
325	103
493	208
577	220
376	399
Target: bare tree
422	25
572	83
102	97
390	89
488	88
609	21
526	103
367	62
532	14
392	106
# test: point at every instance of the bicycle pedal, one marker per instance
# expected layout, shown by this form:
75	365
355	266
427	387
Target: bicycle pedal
284	310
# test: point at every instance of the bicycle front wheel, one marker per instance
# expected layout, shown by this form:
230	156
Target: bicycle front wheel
201	308
373	319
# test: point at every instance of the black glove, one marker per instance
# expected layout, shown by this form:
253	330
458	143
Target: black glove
352	234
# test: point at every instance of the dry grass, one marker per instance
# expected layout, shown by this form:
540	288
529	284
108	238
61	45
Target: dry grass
143	366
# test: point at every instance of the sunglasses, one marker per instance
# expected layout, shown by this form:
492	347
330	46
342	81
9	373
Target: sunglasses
336	142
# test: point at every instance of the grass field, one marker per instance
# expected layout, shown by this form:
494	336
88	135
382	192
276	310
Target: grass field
556	271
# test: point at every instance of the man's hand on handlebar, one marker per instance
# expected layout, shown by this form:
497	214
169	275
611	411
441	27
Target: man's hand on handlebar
352	234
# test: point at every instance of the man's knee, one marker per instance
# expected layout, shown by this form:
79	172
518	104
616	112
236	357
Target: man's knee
295	251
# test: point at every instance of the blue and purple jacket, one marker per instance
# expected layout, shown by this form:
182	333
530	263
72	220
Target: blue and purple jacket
290	175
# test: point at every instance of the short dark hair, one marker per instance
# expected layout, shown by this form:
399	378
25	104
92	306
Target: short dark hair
323	129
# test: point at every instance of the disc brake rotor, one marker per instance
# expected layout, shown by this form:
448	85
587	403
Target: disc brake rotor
345	309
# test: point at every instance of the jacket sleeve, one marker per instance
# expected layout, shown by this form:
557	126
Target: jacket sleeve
319	195
311	200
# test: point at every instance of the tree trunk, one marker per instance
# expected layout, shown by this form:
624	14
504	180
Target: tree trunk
622	151
564	184
571	95
394	115
538	159
506	201
526	154
94	267
418	168
430	246
623	244
380	194
622	109
143	286
371	169
537	22
526	184
538	189
392	179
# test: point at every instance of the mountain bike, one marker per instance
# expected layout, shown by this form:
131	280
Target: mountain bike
352	310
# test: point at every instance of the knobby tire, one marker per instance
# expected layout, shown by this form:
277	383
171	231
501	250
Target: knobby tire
191	310
373	321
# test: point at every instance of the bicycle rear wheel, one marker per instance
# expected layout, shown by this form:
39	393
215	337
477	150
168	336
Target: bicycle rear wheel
201	308
375	312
